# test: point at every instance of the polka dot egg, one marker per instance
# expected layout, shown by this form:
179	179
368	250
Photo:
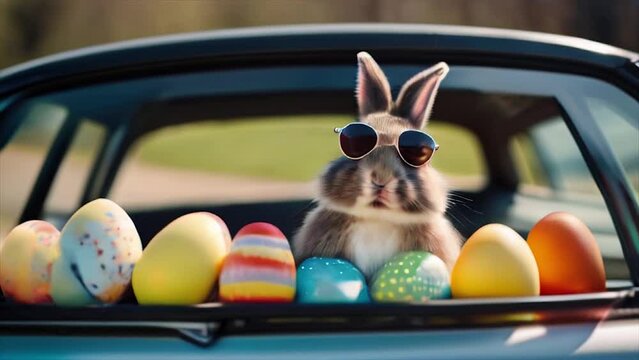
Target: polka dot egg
99	247
416	276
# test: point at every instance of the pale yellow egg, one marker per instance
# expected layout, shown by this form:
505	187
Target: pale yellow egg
495	262
26	258
181	264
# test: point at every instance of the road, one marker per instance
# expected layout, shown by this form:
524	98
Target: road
137	185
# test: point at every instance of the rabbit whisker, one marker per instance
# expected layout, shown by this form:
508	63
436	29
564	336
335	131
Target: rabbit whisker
467	221
459	197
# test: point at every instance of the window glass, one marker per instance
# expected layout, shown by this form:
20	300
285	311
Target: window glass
228	161
22	158
242	158
550	157
529	168
554	177
620	125
460	156
68	185
258	159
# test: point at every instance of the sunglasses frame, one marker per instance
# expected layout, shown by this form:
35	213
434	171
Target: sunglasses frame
395	144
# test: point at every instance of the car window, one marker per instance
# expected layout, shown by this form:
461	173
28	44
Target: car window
619	123
548	156
22	158
68	184
554	177
271	158
460	157
250	134
231	161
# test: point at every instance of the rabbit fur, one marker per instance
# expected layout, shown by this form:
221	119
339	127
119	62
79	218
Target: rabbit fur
348	221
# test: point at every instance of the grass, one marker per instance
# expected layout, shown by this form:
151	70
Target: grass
283	148
272	148
459	153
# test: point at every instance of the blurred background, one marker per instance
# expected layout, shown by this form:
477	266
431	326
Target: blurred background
33	28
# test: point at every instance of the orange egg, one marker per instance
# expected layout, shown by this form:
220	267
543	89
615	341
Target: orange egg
567	255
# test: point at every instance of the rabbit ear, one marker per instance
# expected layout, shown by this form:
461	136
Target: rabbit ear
416	98
373	91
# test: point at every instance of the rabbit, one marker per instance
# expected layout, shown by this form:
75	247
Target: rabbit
348	221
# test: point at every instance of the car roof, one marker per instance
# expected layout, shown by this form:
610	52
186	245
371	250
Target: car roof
457	42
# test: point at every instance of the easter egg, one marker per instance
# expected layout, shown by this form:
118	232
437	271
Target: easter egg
259	267
329	280
26	258
567	255
495	262
181	264
261	228
99	247
415	276
69	288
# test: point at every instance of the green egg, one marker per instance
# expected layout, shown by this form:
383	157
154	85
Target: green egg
416	276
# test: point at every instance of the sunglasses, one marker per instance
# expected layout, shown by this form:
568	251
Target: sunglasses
358	139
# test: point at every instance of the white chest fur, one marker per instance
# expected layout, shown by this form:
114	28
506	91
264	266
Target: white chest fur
372	244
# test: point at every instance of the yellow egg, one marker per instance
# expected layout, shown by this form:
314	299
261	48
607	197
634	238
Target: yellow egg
181	264
495	262
99	247
26	257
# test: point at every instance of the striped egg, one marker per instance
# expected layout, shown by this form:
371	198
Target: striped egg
259	267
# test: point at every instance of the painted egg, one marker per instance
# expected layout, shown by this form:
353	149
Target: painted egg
329	280
99	247
259	268
26	258
181	264
416	276
495	262
567	255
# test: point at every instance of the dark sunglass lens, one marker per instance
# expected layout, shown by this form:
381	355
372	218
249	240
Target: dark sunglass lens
357	140
416	147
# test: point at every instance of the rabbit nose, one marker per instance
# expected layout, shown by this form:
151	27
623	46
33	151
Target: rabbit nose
378	186
379	181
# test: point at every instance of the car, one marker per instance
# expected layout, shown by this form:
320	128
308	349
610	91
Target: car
240	123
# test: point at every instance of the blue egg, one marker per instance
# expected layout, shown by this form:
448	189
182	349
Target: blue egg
329	280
